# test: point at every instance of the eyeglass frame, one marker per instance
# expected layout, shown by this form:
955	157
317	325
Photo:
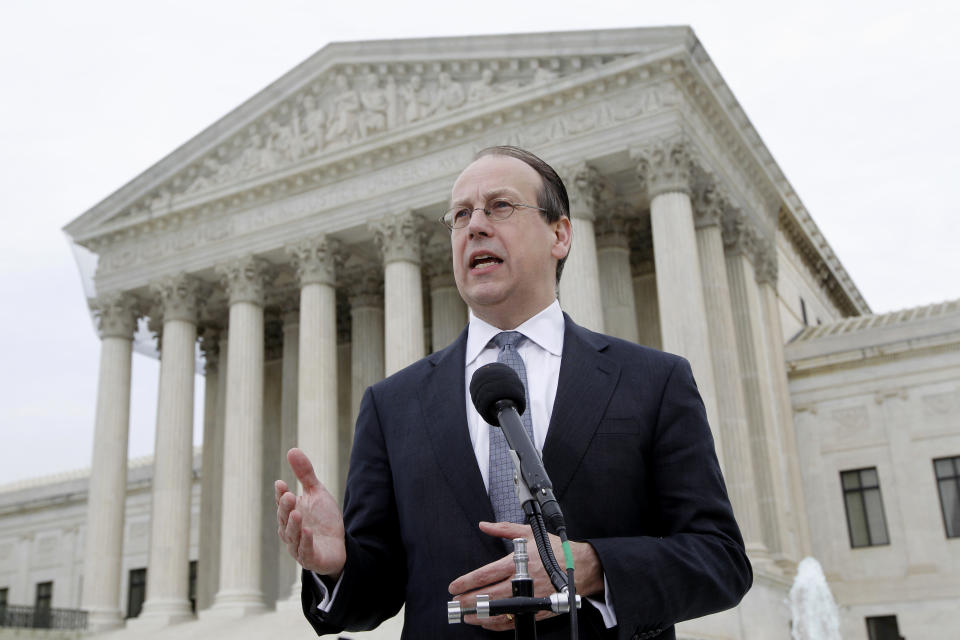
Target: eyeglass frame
488	212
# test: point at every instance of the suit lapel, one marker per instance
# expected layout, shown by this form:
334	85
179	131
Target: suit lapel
586	383
445	420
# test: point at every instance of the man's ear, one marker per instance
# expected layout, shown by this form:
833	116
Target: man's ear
563	236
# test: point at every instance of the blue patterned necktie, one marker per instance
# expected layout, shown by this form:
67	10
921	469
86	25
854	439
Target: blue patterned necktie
503	494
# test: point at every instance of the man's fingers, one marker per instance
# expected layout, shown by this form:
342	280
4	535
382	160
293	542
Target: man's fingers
305	550
286	504
484	576
509	530
279	488
303	469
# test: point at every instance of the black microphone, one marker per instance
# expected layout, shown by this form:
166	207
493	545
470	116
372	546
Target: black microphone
498	395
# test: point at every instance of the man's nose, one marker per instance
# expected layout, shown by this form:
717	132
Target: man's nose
479	223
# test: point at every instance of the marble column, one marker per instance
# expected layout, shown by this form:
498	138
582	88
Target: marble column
103	556
796	517
272	432
740	242
367	331
616	283
448	312
645	295
169	562
731	404
315	262
399	239
665	168
239	590
211	484
288	570
580	284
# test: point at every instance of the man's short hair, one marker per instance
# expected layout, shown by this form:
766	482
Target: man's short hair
552	196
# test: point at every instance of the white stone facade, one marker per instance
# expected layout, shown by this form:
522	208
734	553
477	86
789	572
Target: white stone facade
296	240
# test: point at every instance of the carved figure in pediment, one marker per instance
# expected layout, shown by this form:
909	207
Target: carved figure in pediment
481	89
448	96
256	157
161	201
283	144
416	99
346	113
376	105
312	126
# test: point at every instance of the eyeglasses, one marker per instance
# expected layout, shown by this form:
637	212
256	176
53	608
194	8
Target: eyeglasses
497	210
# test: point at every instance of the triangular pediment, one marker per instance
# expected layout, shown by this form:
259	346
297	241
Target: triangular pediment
358	95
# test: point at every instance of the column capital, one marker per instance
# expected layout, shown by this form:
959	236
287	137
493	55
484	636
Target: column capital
438	262
244	278
316	259
612	227
709	203
739	235
765	265
366	287
585	189
116	314
210	346
178	296
664	166
398	237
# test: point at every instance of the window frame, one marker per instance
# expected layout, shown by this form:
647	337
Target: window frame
861	490
955	460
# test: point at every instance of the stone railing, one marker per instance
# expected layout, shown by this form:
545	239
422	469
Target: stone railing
21	617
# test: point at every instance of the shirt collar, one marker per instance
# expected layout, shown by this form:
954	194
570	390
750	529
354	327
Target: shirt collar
545	329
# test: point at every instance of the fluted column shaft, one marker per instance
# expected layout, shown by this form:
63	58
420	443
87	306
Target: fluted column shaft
242	514
448	312
648	309
731	405
580	284
770	309
756	376
108	470
288	573
315	261
399	239
168	564
616	285
211	486
366	353
683	324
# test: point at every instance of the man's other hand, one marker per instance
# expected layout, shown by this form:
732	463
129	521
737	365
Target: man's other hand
310	525
494	579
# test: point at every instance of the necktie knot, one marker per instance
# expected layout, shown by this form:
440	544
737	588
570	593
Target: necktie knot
508	339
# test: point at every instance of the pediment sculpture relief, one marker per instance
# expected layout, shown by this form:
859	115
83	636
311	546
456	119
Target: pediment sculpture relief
344	108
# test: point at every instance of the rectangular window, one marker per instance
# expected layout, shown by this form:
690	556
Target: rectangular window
866	521
883	628
136	592
803	311
947	471
42	605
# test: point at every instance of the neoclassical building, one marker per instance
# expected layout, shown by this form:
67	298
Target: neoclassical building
295	242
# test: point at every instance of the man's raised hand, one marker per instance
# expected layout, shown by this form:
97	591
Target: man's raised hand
310	525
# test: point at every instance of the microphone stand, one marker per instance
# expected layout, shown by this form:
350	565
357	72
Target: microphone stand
523	606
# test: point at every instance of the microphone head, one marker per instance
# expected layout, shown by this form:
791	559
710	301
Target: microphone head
492	383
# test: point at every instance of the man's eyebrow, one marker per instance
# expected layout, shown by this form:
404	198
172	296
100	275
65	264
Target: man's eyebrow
499	192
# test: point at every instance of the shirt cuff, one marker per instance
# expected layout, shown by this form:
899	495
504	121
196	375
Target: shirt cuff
326	603
605	608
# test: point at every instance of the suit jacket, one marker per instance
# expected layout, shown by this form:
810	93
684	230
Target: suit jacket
633	465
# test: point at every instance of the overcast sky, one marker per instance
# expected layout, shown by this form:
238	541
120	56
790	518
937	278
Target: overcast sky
857	101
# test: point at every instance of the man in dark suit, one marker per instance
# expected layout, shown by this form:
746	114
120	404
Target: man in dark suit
622	430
